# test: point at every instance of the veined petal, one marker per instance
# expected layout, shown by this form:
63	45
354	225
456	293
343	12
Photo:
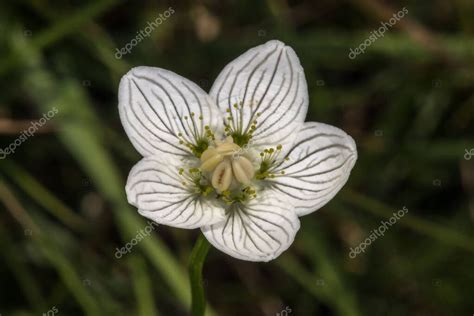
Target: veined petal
319	165
266	84
159	108
156	188
257	231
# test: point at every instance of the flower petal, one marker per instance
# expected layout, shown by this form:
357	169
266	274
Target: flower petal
155	187
270	83
157	106
257	231
319	165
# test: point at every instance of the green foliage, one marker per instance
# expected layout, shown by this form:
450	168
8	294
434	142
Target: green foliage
407	101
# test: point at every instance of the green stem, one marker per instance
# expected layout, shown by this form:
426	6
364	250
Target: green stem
198	255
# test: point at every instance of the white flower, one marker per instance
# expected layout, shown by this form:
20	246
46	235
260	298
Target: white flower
240	162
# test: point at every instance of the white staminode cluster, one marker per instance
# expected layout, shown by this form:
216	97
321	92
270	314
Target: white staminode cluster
240	162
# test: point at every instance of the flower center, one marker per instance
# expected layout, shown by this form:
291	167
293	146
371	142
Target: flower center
226	164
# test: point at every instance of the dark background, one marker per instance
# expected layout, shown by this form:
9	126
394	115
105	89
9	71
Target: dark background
407	101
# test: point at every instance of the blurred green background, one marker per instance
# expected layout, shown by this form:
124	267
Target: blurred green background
408	102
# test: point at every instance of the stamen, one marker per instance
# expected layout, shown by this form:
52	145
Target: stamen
197	142
234	125
194	181
268	161
244	195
